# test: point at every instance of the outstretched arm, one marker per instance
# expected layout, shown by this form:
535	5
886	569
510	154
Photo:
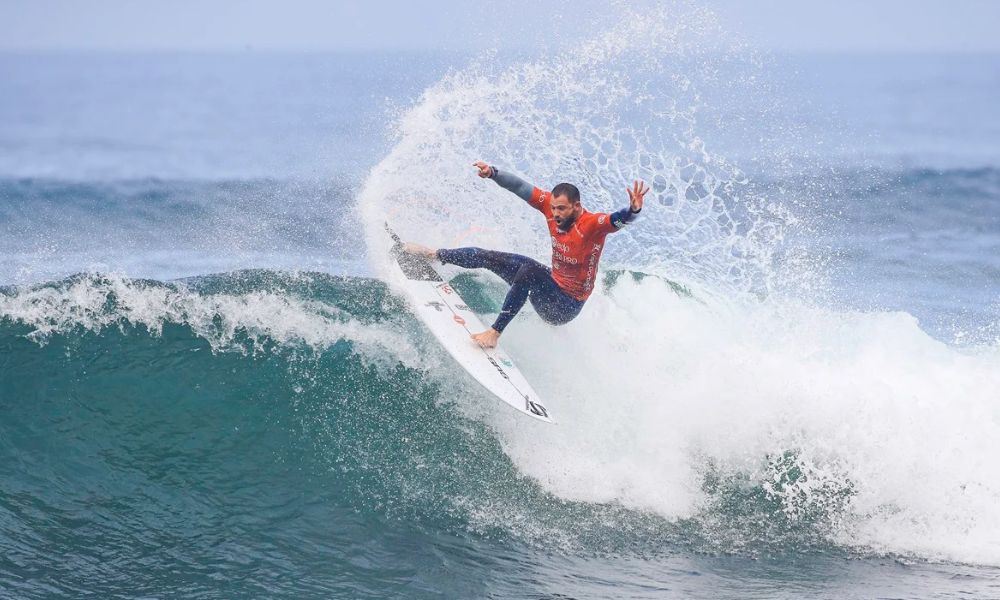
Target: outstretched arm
507	181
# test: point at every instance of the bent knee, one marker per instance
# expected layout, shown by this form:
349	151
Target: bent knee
556	318
529	271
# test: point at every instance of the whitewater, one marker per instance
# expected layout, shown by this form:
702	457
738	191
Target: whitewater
746	378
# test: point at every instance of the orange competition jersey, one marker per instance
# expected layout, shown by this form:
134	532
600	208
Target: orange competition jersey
575	253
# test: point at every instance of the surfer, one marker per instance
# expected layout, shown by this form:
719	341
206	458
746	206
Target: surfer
558	294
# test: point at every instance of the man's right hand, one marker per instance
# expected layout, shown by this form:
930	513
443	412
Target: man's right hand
484	169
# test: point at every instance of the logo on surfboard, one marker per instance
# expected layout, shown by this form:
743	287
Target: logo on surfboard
499	368
534	407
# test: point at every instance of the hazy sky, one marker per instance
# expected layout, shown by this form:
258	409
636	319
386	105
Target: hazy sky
824	25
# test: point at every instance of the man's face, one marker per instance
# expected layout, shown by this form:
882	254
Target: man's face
564	212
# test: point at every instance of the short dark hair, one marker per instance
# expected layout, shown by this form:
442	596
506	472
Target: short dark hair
567	189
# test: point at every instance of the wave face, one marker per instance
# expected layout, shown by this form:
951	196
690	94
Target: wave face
233	418
259	433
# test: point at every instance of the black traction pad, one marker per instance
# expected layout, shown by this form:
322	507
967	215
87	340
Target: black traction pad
415	268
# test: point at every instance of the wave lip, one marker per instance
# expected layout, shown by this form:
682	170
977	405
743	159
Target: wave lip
259	310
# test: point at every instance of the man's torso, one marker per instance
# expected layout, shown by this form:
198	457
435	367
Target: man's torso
577	251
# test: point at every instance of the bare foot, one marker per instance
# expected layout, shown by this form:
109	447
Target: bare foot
487	339
420	250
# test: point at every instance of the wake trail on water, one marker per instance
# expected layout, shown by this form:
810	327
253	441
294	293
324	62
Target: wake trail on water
752	391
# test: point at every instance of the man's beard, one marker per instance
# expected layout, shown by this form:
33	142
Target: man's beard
566	224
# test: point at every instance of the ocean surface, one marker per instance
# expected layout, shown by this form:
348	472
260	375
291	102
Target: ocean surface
784	387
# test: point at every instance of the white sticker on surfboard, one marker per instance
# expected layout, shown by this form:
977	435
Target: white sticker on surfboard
452	323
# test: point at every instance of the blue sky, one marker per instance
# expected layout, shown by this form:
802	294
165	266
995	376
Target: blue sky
793	25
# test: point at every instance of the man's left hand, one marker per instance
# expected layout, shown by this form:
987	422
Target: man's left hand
635	195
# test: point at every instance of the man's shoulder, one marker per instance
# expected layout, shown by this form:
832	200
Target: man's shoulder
593	221
540	199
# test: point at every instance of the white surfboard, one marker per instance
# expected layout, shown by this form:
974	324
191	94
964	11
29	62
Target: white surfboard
451	322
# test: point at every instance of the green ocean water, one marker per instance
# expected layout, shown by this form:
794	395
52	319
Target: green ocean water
189	439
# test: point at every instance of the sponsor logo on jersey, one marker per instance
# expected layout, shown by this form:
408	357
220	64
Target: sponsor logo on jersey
563	258
595	252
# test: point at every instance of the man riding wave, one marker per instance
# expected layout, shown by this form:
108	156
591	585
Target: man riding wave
557	294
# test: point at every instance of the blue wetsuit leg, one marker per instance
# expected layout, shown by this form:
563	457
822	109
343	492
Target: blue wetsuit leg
503	264
527	278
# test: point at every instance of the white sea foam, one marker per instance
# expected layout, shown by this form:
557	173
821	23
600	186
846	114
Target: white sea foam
652	389
649	388
229	322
